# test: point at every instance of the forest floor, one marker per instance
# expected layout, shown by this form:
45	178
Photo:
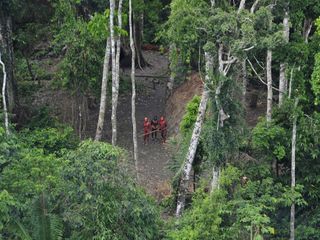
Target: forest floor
154	175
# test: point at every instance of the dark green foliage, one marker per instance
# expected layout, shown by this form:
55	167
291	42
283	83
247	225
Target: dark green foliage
203	220
308	225
271	138
237	210
316	79
102	197
27	89
31	178
9	148
6	204
52	191
221	143
51	140
81	67
32	174
52	187
273	142
41	118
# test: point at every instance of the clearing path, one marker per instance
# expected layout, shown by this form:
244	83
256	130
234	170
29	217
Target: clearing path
150	101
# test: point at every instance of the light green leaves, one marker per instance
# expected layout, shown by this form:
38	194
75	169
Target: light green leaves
6	202
270	138
98	25
315	80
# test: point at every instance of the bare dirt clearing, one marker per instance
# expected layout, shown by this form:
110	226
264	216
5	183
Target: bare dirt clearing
151	100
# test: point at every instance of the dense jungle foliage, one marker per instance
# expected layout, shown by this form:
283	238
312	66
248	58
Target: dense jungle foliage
58	183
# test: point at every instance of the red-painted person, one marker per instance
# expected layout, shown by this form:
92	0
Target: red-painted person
163	129
146	130
154	128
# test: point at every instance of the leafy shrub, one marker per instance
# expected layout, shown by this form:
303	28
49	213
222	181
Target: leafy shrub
102	200
271	138
191	114
50	140
41	118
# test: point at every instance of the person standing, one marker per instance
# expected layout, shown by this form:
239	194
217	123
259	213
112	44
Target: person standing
146	130
163	129
154	128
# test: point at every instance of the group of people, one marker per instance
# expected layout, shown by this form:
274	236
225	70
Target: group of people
153	127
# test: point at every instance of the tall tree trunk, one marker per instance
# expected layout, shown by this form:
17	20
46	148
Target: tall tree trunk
283	82
291	82
114	73
293	170
244	81
241	5
6	47
116	79
138	43
243	64
33	78
215	178
183	188
118	43
103	96
269	85
222	116
133	98
254	6
80	119
173	63
4	100
307	26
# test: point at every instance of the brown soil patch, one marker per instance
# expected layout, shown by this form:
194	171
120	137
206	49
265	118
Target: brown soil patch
176	104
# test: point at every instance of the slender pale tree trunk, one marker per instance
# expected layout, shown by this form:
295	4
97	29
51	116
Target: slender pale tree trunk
6	47
183	188
118	43
241	5
218	88
244	81
254	6
243	63
283	82
215	178
222	116
173	63
133	98
4	100
269	85
307	26
137	30
116	78
293	171
80	120
114	73
290	83
103	97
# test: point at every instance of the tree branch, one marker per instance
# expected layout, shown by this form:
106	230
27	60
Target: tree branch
254	6
259	77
